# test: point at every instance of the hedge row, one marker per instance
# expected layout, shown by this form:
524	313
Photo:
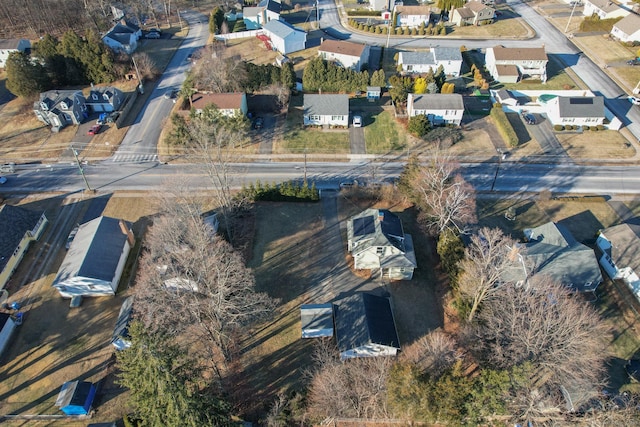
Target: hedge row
362	12
288	191
560	128
504	126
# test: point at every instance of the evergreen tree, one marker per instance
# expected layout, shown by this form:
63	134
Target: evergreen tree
288	75
24	77
419	125
378	78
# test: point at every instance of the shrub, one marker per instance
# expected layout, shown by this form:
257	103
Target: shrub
504	127
585	127
558	128
568	127
600	127
288	191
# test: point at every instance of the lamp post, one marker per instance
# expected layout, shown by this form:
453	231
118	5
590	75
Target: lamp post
75	155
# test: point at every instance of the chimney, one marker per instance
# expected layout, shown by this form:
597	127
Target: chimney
380	216
127	232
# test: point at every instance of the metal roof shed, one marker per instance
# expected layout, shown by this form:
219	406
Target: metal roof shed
317	320
76	397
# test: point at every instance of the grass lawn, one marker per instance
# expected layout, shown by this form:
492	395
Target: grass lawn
383	134
295	138
606	144
501	28
557	79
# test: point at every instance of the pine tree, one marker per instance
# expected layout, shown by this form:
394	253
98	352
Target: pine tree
24	77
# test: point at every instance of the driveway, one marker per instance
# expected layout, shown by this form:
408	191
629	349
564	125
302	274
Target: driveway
543	133
356	138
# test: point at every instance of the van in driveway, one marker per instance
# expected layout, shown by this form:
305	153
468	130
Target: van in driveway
8	168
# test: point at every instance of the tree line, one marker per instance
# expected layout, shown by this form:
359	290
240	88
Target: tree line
322	75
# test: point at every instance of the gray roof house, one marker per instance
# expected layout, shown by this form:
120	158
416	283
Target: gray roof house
18	228
377	241
576	110
440	108
256	16
627	29
284	37
104	99
12	45
96	258
472	13
449	58
59	108
619	252
552	251
605	9
326	109
123	37
365	327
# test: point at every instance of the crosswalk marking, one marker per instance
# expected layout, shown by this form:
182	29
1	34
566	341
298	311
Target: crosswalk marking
134	158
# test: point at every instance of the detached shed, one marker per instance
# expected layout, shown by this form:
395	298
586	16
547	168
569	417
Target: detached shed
374	92
76	397
96	259
317	320
7	326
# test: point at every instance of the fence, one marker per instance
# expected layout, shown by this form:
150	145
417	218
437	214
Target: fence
239	35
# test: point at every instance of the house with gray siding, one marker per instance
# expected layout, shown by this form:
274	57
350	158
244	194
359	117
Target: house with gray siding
104	99
326	109
473	13
59	108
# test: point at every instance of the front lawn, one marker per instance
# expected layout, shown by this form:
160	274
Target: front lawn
383	134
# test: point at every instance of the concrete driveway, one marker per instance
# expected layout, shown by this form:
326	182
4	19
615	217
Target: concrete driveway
356	138
543	133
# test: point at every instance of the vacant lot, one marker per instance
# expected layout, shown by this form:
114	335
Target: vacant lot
596	145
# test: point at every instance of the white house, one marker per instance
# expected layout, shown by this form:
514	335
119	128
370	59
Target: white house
229	104
421	62
619	247
576	110
346	54
18	228
525	62
285	38
365	327
440	108
96	259
627	29
377	242
472	13
379	5
326	109
256	17
504	97
12	45
123	37
412	16
605	9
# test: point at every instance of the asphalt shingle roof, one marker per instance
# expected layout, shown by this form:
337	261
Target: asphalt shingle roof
583	106
438	101
280	28
342	48
9	43
519	53
629	24
327	104
625	245
14	223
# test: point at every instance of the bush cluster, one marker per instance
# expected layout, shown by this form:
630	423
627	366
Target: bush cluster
288	191
504	126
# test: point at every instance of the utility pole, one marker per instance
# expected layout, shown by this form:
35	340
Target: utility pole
75	154
305	162
318	12
140	87
575	4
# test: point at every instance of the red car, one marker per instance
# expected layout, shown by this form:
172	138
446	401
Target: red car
95	129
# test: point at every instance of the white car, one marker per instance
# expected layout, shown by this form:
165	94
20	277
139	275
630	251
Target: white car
357	121
634	100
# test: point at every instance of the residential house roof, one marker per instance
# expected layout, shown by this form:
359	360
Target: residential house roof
629	24
270	5
362	319
581	106
95	251
605	5
414	10
416	58
554	252
374	88
326	105
224	101
130	25
280	28
438	101
446	54
342	48
476	6
625	245
14	223
251	11
124	317
507	70
104	94
316	320
6	44
381	228
54	98
519	53
465	12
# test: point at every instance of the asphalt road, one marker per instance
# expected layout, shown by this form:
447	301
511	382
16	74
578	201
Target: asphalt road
507	177
140	142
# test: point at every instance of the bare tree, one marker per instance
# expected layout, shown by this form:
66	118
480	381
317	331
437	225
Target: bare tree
488	259
216	72
146	66
548	326
356	388
193	285
445	199
433	353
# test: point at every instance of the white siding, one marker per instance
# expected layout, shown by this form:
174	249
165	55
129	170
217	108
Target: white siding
369	350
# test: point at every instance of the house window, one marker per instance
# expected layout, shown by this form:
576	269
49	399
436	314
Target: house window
314	117
94	97
409	67
380	250
334	118
15	253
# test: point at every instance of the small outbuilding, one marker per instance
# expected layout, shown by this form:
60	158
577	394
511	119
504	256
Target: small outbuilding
76	397
374	93
121	339
7	326
96	259
317	320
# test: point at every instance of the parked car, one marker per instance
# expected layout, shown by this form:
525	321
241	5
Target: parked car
258	123
529	118
153	35
357	121
170	94
634	100
71	236
94	130
634	61
3	179
8	167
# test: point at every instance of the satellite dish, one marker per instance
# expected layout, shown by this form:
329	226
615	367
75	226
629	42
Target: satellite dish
4	295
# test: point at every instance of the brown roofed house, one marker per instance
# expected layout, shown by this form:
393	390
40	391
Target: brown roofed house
346	54
531	63
229	104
